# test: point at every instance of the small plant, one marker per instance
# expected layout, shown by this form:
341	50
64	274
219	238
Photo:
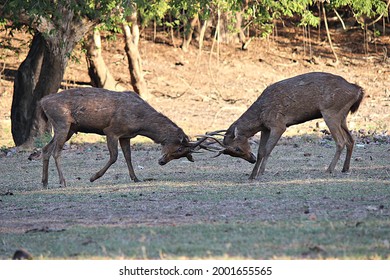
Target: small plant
40	142
3	149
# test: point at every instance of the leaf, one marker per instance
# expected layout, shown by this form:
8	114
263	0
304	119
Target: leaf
372	208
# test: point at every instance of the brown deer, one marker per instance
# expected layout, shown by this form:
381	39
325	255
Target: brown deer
118	115
289	102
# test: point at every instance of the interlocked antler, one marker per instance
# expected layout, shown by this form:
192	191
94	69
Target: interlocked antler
211	135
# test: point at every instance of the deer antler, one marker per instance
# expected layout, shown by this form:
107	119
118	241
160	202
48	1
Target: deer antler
210	148
216	132
206	136
211	136
193	145
219	153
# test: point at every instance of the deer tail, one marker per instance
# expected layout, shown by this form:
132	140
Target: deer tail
40	113
356	105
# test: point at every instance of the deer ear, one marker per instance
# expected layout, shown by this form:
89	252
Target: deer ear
235	132
183	140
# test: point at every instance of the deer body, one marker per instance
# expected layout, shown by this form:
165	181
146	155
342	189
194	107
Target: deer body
118	115
290	102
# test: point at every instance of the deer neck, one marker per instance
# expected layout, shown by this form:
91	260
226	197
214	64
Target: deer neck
160	129
248	124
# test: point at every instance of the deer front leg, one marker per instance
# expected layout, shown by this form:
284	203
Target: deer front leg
272	139
112	144
260	153
125	145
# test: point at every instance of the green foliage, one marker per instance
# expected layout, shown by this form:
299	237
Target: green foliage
259	14
308	18
105	11
368	8
152	10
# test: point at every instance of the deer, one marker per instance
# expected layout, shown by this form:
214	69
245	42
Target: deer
119	116
290	102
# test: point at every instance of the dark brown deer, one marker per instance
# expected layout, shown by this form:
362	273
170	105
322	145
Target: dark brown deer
294	101
118	115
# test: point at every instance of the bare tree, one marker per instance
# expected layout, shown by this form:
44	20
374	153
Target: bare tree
131	32
97	69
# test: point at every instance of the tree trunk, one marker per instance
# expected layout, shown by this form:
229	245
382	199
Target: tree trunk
202	34
42	72
97	69
328	34
241	35
231	19
225	35
188	33
43	79
134	57
26	79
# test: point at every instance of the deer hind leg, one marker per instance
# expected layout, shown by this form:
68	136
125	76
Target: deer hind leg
112	144
338	134
349	143
61	135
265	149
54	148
125	145
46	154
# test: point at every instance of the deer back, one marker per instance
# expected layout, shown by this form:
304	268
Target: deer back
303	98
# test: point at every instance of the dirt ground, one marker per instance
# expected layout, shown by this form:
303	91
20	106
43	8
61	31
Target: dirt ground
203	91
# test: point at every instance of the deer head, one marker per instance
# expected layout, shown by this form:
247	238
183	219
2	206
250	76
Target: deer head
233	144
237	145
181	147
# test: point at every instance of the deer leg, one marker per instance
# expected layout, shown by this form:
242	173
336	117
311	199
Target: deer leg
60	137
273	138
112	144
46	154
260	153
349	143
125	145
336	131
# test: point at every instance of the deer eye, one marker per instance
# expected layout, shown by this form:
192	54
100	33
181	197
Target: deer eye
238	150
179	150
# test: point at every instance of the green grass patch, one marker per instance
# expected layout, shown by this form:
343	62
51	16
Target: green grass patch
257	240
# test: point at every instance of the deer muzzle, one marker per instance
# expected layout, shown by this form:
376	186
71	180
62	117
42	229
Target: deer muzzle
252	159
166	158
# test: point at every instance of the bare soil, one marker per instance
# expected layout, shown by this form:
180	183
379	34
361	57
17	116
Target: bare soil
203	91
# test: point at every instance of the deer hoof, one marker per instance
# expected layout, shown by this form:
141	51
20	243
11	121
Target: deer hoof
93	178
